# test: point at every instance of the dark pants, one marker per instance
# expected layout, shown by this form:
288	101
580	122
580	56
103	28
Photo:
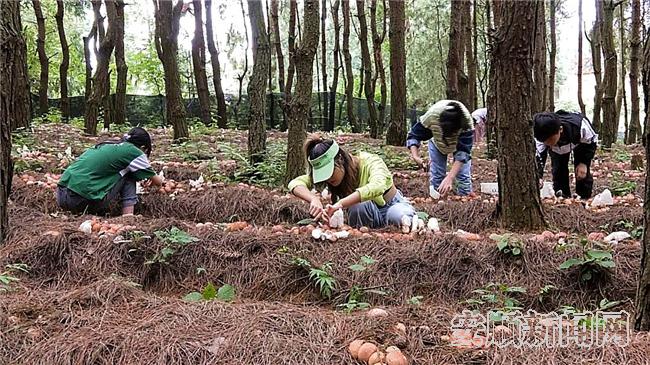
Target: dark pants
560	170
124	192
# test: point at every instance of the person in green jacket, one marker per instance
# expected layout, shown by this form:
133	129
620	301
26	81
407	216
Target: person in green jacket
105	175
361	184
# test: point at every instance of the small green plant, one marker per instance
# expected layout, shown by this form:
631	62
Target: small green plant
325	282
225	293
174	240
508	244
7	277
415	300
635	231
499	296
620	154
363	264
545	291
620	186
592	264
356	300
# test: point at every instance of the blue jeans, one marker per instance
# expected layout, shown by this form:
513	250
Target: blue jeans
438	171
124	192
369	214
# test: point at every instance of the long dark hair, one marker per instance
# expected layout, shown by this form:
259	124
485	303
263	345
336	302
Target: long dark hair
136	136
315	146
450	121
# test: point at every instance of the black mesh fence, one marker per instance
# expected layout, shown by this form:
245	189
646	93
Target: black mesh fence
150	110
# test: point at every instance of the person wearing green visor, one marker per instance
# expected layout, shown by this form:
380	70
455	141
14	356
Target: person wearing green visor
361	184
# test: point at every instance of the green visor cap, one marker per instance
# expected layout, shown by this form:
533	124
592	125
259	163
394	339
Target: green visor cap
323	165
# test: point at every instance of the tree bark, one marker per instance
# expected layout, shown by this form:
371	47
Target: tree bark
291	47
610	123
540	76
89	80
471	53
198	62
642	321
580	101
222	110
42	57
101	79
323	61
14	97
396	132
596	56
275	30
368	85
380	71
65	61
336	57
349	71
120	65
241	76
167	15
455	54
257	83
298	107
634	132
512	55
551	76
620	91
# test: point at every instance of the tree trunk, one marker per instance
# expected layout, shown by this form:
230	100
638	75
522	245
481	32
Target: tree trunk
168	16
610	123
454	53
101	78
634	132
551	76
349	72
369	85
257	83
540	76
241	76
14	97
275	29
88	79
580	101
642	322
298	107
65	61
336	57
396	133
120	65
291	46
380	71
519	203
323	61
470	53
198	62
596	56
620	91
222	110
42	57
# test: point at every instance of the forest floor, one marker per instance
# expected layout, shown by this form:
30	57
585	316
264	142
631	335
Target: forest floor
120	293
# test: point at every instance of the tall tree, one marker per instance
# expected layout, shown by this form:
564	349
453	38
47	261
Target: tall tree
596	61
222	111
642	321
368	85
540	76
323	60
87	39
198	62
512	55
396	132
257	83
610	123
291	47
298	107
168	14
553	51
336	58
580	101
241	76
14	97
349	71
455	54
380	71
471	52
101	77
634	131
120	65
42	57
620	91
65	61
277	43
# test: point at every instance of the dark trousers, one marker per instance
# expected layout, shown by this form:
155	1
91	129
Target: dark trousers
560	170
122	194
